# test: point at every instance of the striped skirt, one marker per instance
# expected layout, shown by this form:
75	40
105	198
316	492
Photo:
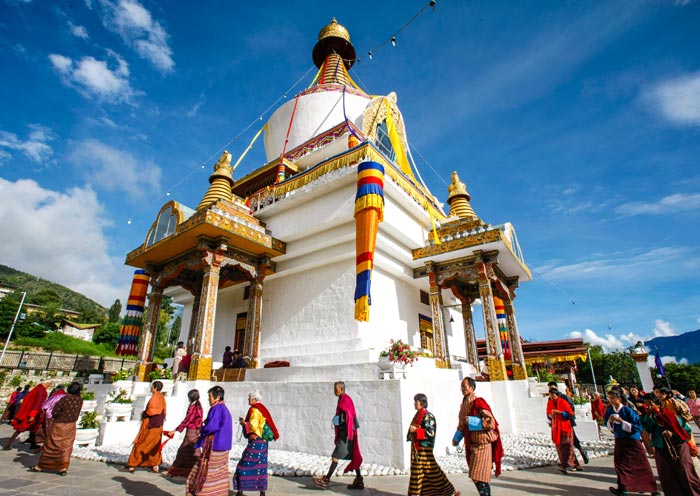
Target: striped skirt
427	478
251	471
185	459
215	468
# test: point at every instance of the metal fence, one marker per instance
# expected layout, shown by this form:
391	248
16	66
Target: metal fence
31	360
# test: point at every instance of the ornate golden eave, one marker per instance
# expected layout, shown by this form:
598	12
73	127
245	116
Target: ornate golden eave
222	219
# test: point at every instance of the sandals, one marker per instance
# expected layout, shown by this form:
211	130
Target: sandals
127	468
321	482
63	473
35	468
155	469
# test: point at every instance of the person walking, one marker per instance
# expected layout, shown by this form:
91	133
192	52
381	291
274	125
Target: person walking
669	436
29	417
427	478
191	424
631	464
559	415
209	476
146	450
577	441
482	438
9	412
347	446
60	431
259	429
694	406
179	354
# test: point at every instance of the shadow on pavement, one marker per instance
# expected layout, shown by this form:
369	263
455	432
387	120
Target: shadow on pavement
306	486
139	487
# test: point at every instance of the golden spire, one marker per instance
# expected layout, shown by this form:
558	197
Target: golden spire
458	199
334	39
221	182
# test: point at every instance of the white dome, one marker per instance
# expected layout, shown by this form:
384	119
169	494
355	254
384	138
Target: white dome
316	112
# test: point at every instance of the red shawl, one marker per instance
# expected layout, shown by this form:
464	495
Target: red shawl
268	418
346	405
30	409
496	446
417	421
559	425
666	418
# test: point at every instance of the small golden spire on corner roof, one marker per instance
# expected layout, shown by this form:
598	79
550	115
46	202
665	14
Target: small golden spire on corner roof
221	182
458	199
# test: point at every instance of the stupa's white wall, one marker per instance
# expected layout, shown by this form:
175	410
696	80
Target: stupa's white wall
315	113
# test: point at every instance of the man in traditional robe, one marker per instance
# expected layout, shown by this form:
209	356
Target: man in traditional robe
347	446
146	450
483	447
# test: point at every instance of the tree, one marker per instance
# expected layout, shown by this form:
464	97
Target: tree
8	310
682	377
45	297
115	311
617	364
107	333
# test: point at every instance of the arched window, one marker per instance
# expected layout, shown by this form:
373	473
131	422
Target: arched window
384	142
164	226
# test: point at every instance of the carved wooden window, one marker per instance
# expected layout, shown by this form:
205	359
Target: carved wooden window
425	325
424	297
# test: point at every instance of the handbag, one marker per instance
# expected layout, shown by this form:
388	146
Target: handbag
267	433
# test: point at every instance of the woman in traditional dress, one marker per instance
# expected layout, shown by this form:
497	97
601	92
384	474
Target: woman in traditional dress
29	417
185	459
146	450
209	476
631	464
60	432
559	415
427	478
47	413
669	436
259	428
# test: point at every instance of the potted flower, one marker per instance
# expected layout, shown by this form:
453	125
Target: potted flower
88	430
122	379
119	406
396	357
165	376
89	402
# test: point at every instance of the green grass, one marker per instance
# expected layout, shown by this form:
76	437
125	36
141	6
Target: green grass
57	341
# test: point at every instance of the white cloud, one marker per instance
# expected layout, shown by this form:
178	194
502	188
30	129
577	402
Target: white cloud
663	328
195	108
113	169
95	77
35	147
620	265
608	342
678	99
78	31
135	24
667	205
61	235
651	360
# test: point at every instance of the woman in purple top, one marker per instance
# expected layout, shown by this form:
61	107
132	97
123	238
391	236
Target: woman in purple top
185	459
209	476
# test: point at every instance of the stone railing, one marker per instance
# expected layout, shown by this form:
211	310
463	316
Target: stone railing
31	360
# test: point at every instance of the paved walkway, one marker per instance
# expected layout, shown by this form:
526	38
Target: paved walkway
94	478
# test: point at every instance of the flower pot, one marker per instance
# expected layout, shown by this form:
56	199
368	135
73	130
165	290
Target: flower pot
86	437
127	385
96	378
88	405
391	370
118	411
168	386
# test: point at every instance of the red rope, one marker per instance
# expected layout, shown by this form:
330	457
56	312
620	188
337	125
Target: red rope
280	169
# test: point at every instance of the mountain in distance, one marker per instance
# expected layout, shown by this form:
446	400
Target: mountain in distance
686	345
38	289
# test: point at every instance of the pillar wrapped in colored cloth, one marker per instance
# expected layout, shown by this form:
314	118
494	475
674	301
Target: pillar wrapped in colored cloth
133	320
369	212
502	327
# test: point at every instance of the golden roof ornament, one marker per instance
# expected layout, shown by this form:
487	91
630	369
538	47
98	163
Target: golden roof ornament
334	38
458	199
221	182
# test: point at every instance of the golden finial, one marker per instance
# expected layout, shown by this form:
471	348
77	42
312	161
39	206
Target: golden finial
458	199
334	38
221	182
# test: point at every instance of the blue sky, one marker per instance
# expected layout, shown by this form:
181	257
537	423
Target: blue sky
577	121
